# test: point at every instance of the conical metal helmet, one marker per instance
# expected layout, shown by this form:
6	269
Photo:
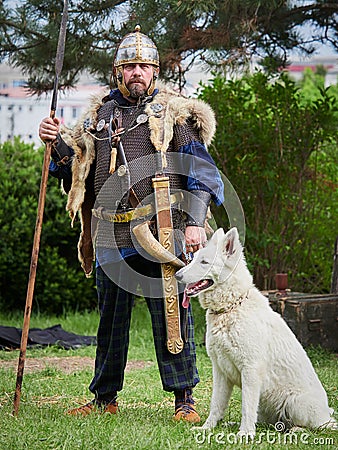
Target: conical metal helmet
135	48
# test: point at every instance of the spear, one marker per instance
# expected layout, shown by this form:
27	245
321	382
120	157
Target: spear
41	205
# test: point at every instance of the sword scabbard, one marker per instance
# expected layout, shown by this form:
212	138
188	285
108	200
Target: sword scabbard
170	289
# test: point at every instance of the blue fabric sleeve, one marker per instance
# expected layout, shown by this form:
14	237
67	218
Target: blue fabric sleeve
61	171
202	173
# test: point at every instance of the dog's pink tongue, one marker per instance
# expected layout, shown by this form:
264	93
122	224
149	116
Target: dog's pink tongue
186	300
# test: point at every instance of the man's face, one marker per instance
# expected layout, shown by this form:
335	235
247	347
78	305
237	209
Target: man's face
137	78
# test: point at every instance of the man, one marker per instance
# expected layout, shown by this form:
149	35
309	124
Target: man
128	140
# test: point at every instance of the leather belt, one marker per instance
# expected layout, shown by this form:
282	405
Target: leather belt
137	213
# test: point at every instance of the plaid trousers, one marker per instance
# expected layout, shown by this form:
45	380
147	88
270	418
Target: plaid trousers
115	306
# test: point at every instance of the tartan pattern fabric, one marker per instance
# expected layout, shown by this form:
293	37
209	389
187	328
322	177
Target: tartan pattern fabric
115	306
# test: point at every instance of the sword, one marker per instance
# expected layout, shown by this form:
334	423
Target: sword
41	204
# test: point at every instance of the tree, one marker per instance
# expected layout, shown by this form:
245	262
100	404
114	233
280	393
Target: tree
221	33
279	150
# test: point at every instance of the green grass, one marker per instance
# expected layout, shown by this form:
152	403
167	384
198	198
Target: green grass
145	418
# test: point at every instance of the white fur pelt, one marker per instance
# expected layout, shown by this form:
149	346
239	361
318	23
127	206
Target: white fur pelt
250	345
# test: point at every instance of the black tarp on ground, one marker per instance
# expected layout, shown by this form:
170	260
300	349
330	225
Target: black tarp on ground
10	338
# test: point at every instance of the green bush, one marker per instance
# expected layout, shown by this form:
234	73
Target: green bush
60	282
278	148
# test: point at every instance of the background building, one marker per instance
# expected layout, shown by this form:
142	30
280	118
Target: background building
21	113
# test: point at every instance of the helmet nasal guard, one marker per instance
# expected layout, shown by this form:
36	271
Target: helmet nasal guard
135	48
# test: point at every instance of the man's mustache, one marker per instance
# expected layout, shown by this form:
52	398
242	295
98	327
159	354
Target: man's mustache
137	79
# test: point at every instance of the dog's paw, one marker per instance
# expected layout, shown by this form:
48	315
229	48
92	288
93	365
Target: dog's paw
331	424
209	424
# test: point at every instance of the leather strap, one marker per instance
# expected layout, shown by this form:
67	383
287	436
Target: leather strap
139	213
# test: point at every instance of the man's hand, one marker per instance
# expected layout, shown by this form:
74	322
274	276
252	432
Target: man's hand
49	128
195	238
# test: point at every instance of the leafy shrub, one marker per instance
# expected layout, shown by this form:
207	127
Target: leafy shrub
60	282
278	148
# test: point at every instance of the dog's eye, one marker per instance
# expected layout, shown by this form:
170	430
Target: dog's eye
204	261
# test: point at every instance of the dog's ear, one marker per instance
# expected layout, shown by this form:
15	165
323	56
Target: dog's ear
229	247
230	241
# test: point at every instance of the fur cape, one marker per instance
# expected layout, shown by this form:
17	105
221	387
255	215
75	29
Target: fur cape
176	110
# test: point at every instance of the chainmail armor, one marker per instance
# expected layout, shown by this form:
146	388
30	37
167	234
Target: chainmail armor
136	144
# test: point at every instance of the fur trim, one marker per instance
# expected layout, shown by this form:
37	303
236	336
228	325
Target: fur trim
177	109
84	148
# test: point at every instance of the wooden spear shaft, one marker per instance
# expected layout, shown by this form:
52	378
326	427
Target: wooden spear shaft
39	218
31	280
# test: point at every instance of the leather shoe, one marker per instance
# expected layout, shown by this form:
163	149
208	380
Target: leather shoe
94	406
184	407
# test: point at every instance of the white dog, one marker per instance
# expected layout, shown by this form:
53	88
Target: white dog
250	345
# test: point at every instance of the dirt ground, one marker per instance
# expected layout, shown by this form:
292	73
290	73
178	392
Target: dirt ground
67	364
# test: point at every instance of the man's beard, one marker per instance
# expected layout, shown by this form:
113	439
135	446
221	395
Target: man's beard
136	90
